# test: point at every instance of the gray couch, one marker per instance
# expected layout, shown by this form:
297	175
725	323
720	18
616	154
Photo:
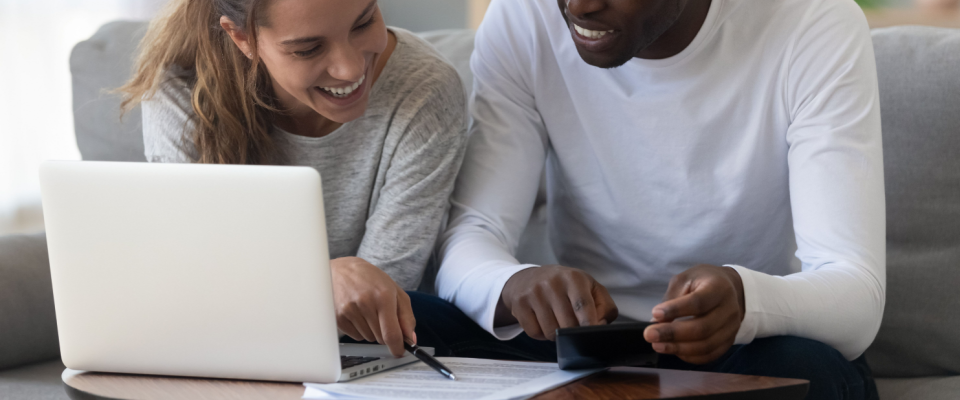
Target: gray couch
916	354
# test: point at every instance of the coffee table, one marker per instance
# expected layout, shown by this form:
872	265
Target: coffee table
616	383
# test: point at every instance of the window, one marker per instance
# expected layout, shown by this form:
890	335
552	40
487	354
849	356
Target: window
36	110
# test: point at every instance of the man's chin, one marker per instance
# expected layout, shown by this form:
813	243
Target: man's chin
604	60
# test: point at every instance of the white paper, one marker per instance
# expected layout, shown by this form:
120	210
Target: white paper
477	379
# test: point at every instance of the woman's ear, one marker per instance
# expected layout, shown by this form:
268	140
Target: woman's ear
239	37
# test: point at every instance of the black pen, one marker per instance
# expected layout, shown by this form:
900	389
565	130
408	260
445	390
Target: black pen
429	360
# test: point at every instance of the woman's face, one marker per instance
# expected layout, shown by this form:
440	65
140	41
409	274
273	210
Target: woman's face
321	54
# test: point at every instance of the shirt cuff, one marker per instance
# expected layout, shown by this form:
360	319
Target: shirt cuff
751	317
504	332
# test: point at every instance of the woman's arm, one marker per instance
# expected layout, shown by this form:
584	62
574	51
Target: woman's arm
403	228
168	122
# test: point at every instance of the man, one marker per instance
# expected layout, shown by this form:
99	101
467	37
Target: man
687	143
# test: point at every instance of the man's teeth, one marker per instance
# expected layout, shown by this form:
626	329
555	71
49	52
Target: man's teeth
344	91
590	34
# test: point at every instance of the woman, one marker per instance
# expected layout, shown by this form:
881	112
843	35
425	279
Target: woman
320	83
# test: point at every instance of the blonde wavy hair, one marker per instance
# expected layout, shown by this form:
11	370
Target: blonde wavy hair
232	99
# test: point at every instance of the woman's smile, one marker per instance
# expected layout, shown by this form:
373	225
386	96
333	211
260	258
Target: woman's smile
344	96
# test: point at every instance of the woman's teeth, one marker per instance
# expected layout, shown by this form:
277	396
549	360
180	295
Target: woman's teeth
590	34
344	91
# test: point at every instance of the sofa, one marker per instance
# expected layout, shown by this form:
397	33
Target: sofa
916	354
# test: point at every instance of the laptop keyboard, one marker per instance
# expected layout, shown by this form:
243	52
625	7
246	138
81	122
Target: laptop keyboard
352	361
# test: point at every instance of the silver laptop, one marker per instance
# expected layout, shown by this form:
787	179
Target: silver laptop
196	270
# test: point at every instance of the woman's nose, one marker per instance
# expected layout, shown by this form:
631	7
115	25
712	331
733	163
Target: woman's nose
347	64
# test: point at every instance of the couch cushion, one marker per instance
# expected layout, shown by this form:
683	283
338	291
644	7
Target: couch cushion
457	47
98	65
28	323
939	388
34	382
919	72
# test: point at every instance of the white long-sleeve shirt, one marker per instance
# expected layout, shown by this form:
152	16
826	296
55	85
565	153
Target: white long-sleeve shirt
765	129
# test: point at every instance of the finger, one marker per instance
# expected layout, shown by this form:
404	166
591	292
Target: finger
694	349
390	326
372	318
562	309
679	286
546	319
696	303
606	307
346	326
360	323
688	330
582	301
408	323
528	321
703	351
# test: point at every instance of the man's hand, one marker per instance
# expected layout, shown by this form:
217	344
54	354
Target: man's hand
713	297
370	305
546	298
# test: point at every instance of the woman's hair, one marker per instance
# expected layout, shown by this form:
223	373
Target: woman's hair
232	98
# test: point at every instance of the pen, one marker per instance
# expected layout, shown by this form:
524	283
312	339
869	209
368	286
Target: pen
429	360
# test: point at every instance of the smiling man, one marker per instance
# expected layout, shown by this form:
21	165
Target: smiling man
692	148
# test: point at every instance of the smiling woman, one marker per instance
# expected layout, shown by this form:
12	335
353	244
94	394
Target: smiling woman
325	84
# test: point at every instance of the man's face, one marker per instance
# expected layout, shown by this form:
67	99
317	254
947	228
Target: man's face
608	33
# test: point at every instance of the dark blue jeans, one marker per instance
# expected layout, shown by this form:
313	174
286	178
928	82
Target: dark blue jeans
444	327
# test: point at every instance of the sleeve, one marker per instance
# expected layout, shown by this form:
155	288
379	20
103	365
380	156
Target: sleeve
498	183
835	161
168	123
402	230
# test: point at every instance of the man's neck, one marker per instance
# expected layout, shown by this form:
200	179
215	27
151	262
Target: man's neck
681	34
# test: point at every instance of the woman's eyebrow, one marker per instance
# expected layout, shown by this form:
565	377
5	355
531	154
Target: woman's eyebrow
365	11
311	39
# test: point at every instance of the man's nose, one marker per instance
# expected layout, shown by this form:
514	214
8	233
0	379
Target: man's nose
580	8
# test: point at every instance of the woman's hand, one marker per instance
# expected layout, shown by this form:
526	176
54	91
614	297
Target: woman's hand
370	305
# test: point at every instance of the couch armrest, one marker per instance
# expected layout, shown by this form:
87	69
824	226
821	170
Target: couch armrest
28	323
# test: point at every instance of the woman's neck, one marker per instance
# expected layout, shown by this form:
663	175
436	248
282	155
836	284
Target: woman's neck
307	122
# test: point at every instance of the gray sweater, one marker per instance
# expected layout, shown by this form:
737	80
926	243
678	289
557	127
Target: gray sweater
387	176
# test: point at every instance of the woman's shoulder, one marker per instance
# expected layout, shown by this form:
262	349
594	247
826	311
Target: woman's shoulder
176	86
417	69
168	118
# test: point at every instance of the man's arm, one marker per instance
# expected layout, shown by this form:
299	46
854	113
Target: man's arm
836	193
837	198
495	193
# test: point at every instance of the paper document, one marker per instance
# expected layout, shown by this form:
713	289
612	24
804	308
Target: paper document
476	379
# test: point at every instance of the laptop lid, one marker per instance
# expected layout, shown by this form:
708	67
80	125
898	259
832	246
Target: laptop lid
191	270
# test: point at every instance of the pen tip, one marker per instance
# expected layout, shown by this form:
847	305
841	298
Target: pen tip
452	376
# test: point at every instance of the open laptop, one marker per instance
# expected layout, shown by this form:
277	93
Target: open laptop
217	271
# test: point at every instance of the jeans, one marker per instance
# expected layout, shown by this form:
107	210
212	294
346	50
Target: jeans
450	332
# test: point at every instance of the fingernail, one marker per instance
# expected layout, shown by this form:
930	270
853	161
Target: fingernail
658	314
653	333
659	347
414	338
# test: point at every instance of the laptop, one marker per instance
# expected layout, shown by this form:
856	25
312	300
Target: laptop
218	271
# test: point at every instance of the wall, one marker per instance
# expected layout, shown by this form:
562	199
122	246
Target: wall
425	15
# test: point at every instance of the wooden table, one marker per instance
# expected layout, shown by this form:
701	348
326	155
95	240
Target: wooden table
616	383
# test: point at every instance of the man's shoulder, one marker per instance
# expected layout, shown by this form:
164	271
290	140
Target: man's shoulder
794	15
